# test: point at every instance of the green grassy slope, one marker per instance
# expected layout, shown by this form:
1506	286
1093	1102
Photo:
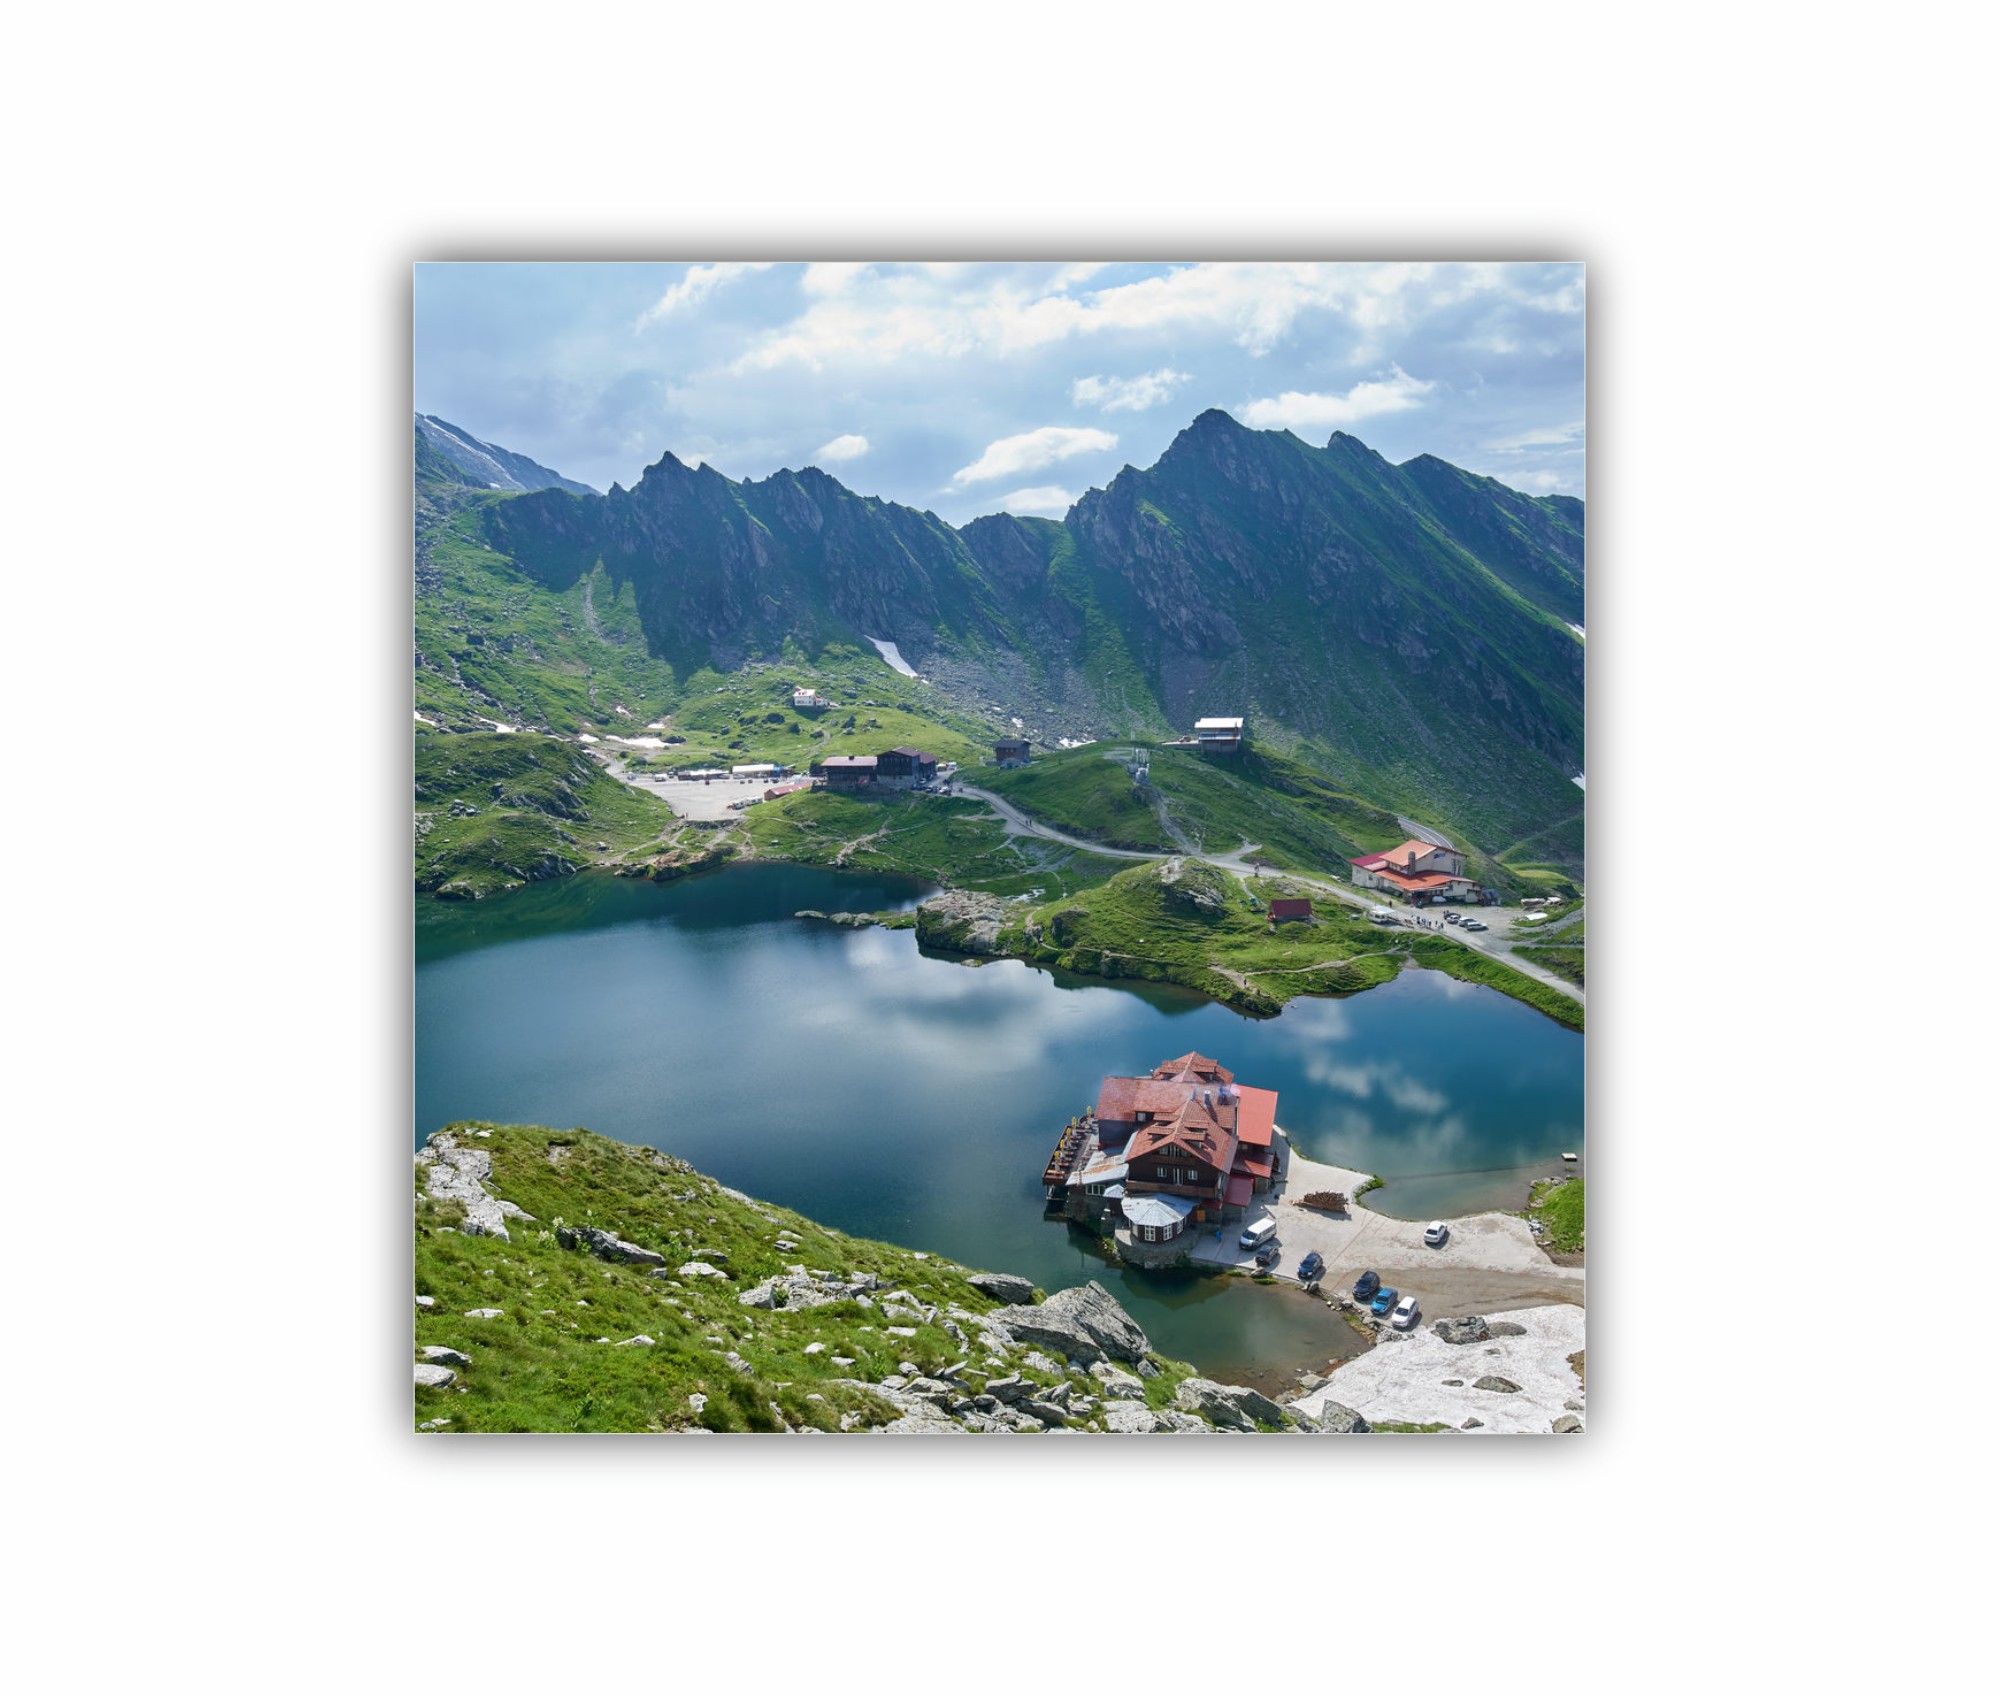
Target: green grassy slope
497	811
551	1361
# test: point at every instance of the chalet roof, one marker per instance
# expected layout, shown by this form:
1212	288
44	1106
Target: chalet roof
1219	724
1291	907
911	753
1420	880
1404	852
1195	1129
850	760
1123	1098
1200	1067
1256	1115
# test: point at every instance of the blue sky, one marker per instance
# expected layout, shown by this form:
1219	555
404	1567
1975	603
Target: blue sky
967	388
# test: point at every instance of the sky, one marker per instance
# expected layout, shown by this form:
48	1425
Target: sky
967	387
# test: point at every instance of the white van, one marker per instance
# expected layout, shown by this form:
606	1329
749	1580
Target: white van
1381	916
1258	1232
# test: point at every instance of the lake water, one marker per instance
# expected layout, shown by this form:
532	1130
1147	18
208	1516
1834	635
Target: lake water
850	1077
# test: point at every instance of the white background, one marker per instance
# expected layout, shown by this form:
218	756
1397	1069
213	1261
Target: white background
1784	211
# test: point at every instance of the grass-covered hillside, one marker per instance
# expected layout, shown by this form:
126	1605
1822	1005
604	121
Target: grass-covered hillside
496	811
959	842
542	1331
1195	803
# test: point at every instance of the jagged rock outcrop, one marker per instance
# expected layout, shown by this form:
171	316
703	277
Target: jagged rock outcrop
607	1246
962	922
1008	1289
1232	1408
1459	1331
1081	1323
459	1176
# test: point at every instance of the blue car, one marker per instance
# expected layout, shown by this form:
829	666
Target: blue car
1312	1266
1384	1302
1367	1287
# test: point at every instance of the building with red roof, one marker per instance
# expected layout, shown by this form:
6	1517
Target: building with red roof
1289	907
1416	871
1186	1131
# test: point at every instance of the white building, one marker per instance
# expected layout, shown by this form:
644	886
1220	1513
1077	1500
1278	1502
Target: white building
1218	735
809	700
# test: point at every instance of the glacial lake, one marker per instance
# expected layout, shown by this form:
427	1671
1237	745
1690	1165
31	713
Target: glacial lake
848	1076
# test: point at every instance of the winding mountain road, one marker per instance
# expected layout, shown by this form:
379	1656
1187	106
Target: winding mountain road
1498	919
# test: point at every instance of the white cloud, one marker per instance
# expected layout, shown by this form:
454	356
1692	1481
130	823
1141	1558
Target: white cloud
954	309
696	283
1038	501
1022	453
843	449
1539	436
1139	393
830	278
1313	409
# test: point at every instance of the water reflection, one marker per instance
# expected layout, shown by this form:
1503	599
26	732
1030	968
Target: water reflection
915	1099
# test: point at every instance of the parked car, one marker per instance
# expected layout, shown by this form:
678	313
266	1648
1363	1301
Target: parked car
1473	924
1367	1287
1405	1314
1267	1256
1451	918
1436	1234
1384	1302
1258	1232
1312	1266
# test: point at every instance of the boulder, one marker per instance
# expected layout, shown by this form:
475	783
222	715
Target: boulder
1010	1389
1497	1385
639	1340
1084	1323
1459	1331
1506	1328
606	1246
1472	1423
435	1376
1008	1289
1568	1424
1230	1408
700	1271
1337	1419
445	1355
487	1311
1117	1384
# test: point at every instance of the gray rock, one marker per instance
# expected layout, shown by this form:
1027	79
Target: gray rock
1008	1289
1506	1328
737	1362
1453	1382
1472	1423
700	1271
460	1176
607	1247
1240	1409
487	1311
1497	1385
1132	1417
1568	1424
445	1355
639	1340
435	1376
1084	1323
1147	1368
1460	1331
425	1301
1010	1389
1337	1419
1117	1384
1054	1415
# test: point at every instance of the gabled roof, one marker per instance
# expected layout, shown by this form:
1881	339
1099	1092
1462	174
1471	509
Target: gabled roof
1256	1115
1194	1129
1194	1066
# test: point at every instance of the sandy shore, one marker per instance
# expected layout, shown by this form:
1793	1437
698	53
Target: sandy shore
1418	1378
1490	1263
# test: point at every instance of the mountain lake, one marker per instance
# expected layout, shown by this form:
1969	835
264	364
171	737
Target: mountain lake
844	1074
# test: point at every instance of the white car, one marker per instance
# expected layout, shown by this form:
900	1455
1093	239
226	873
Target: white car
1405	1313
1436	1234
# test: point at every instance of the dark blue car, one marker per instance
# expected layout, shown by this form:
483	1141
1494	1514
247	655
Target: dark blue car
1312	1266
1367	1287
